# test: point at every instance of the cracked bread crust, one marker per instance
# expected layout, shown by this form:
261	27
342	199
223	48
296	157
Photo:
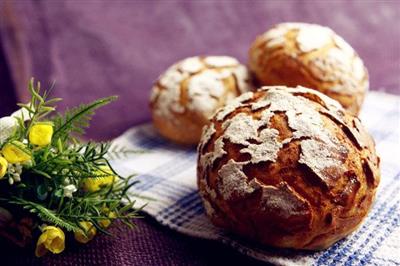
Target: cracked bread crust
313	56
190	91
287	167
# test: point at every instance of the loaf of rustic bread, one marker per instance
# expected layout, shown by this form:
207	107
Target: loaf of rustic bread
190	91
287	167
313	56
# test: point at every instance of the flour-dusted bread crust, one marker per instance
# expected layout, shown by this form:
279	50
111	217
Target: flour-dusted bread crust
287	167
313	56
190	91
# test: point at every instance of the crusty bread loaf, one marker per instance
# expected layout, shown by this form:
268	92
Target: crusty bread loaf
313	56
287	167
190	91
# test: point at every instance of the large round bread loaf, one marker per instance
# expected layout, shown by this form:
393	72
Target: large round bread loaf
287	167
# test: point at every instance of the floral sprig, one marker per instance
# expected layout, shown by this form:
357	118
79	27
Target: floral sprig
56	183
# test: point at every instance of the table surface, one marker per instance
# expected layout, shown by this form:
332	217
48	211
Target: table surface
158	40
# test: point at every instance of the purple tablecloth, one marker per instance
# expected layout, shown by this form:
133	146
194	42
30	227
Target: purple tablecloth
95	49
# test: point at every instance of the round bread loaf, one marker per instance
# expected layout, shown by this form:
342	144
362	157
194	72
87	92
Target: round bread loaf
313	56
190	91
287	167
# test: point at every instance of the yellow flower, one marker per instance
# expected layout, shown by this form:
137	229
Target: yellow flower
40	134
3	167
94	184
90	232
105	223
52	239
16	152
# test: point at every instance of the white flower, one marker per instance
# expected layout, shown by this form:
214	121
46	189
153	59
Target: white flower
8	126
68	190
66	180
18	168
21	113
16	177
15	171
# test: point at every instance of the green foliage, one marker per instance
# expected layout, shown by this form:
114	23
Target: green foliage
45	214
67	161
38	108
75	120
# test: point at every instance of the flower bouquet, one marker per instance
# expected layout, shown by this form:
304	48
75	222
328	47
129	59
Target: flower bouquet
52	186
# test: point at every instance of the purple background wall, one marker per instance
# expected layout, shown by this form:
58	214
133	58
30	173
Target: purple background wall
98	48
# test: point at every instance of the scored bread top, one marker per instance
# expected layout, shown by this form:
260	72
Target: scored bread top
197	84
332	57
310	55
291	155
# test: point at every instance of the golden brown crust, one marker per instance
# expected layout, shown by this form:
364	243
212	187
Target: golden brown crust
190	91
313	56
287	167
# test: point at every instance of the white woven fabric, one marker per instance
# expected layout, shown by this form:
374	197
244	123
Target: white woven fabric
167	174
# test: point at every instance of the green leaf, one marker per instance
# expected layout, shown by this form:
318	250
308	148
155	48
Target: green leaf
41	173
45	214
75	120
59	193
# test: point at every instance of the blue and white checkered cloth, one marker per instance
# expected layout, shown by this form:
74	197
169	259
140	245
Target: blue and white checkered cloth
168	174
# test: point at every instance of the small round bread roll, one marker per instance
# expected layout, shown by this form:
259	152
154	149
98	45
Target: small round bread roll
190	91
313	56
287	167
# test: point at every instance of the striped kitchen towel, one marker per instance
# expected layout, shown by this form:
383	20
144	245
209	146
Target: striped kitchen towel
168	174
